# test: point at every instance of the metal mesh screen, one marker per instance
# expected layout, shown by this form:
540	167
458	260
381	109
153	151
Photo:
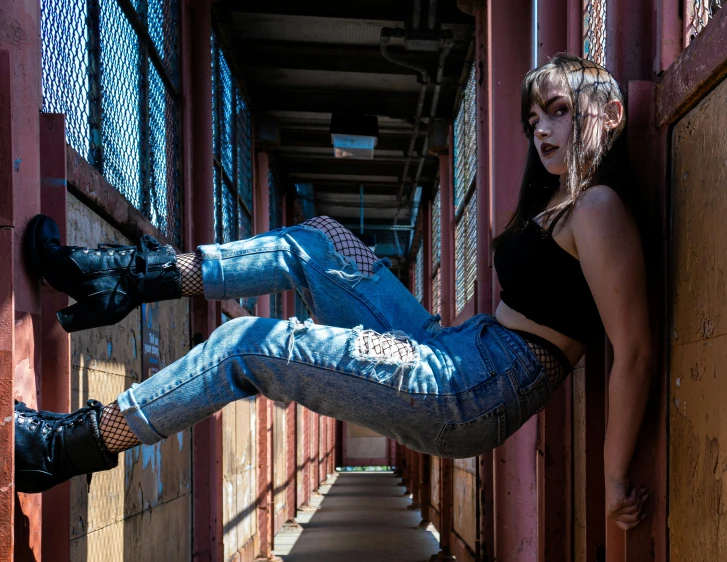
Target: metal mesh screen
275	206
698	14
121	103
232	149
436	229
419	274
112	67
594	30
436	294
244	153
163	22
64	35
465	142
465	254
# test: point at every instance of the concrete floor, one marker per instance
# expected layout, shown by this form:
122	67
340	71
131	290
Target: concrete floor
358	517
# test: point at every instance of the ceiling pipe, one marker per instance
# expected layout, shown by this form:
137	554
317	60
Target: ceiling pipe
417	15
384	42
432	14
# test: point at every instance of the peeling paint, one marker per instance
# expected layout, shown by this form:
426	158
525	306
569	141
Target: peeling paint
16	164
6	489
180	439
6	420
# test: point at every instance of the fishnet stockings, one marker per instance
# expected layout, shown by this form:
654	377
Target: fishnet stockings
554	369
114	430
190	266
386	346
346	243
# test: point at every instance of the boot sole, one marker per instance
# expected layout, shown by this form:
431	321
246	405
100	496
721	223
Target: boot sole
31	253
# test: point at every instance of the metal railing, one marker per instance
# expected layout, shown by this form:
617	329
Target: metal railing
594	31
697	14
112	67
465	166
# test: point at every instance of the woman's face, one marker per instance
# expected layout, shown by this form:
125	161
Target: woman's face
551	126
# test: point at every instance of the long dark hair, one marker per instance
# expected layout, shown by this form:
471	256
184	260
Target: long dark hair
601	159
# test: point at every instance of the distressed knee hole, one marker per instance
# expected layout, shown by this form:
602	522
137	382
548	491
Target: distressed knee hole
386	348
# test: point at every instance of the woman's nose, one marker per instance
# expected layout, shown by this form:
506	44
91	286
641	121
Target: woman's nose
542	132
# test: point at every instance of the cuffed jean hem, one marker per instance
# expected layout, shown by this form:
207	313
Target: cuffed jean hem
212	272
136	419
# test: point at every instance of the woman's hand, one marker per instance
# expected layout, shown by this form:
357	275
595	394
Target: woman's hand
623	507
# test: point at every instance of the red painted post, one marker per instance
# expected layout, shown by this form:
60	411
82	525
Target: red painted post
483	305
447	295
20	38
207	531
56	354
510	55
7	313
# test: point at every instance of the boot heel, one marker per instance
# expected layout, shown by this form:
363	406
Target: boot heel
80	316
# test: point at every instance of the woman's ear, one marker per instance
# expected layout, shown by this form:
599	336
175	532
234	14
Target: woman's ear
614	114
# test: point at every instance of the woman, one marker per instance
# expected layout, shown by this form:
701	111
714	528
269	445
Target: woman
569	259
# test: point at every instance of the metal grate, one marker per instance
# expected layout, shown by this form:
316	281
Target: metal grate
232	149
275	206
594	31
436	229
419	274
465	142
64	37
465	254
112	67
436	294
698	14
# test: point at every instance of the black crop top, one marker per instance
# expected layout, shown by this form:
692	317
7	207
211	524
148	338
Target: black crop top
545	283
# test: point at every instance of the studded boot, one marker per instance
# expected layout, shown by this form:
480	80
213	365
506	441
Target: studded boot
108	282
50	448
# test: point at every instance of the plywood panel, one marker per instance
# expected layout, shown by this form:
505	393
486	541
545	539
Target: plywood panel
280	465
434	481
151	536
123	504
698	354
465	498
239	497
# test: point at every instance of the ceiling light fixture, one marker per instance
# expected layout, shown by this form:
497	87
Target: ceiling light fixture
354	135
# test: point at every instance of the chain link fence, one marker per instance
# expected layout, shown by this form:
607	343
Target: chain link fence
419	273
698	13
465	166
275	207
594	31
232	154
112	67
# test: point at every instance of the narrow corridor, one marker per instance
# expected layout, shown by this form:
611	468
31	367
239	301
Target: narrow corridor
358	517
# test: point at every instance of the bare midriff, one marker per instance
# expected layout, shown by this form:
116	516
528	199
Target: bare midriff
514	320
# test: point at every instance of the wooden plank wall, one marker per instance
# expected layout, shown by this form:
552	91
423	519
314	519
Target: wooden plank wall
698	335
142	511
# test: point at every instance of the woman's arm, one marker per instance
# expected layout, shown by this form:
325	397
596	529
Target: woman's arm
610	253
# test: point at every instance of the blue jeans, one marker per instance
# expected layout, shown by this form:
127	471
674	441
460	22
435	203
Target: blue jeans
457	392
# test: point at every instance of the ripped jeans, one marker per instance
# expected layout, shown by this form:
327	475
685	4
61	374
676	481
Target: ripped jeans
452	392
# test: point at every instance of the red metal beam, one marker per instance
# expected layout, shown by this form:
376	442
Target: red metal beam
7	314
207	531
56	355
20	37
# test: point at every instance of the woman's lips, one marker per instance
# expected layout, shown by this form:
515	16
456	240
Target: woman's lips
547	149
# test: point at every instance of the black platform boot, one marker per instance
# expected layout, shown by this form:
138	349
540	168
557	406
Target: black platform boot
50	448
108	282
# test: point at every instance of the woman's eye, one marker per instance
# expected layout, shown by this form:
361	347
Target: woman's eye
533	124
561	111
